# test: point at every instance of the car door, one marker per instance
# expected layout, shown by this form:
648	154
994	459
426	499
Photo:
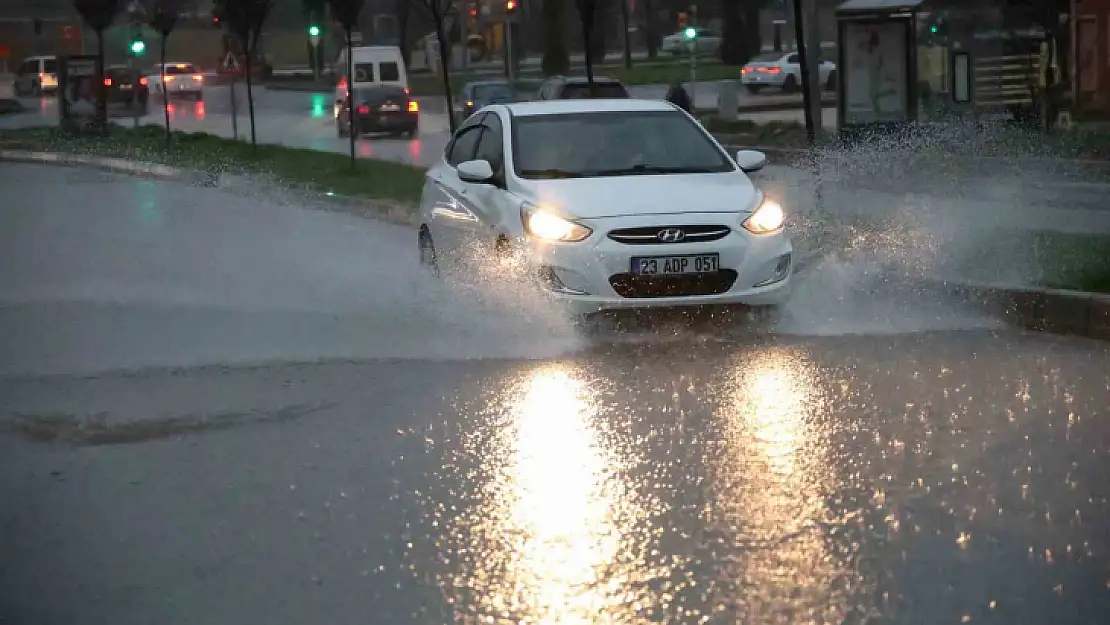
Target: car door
493	205
449	212
792	66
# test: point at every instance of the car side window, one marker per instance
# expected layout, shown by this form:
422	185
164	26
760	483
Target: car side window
792	59
464	145
477	118
29	67
491	145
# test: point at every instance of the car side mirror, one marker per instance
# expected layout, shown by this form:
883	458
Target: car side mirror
476	172
751	160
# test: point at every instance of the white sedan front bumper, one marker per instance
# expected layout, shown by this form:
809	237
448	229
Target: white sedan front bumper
595	275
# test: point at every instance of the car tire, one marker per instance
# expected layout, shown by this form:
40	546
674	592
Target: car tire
427	251
412	132
830	82
790	85
753	89
199	97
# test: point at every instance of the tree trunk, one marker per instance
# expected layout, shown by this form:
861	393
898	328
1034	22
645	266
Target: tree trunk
445	68
803	56
624	34
165	94
101	122
649	29
351	130
250	97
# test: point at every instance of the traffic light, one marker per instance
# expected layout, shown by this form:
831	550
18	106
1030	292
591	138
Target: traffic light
314	31
690	33
510	6
138	46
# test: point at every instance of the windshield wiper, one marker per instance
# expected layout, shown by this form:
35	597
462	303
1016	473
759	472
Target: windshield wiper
651	169
550	173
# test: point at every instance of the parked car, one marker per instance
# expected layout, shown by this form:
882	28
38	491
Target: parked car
604	204
577	87
784	71
384	109
183	79
708	42
36	75
477	95
126	86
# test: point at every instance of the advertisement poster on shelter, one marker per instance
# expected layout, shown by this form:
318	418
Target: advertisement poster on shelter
77	93
876	88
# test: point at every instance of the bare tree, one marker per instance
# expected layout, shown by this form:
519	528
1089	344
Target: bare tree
99	15
244	19
163	16
587	11
438	11
346	13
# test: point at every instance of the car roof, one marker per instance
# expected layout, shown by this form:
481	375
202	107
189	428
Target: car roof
564	107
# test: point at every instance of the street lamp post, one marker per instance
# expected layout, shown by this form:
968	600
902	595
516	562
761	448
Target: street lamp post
691	35
314	39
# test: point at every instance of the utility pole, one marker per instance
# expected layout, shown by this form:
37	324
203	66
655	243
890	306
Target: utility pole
803	58
813	52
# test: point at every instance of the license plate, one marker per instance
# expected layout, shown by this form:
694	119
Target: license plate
125	87
391	107
676	265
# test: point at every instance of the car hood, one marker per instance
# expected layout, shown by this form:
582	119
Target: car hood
615	196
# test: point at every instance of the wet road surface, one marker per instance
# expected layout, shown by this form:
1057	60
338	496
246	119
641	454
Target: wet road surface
220	407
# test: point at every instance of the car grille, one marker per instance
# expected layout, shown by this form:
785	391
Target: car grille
639	287
649	235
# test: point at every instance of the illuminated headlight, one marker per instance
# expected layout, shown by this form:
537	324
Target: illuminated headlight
550	227
766	219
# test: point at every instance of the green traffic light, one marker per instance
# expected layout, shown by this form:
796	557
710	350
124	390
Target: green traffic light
933	28
138	47
313	31
691	33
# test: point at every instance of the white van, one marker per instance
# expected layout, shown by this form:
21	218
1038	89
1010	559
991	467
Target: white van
373	66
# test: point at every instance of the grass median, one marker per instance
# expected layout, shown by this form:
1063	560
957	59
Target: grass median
1079	262
295	167
641	73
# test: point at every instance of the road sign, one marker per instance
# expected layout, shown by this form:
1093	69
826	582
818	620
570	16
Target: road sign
230	64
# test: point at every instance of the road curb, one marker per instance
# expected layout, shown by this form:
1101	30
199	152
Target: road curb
361	207
1055	311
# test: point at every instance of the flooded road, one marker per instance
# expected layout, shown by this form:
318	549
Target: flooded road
219	407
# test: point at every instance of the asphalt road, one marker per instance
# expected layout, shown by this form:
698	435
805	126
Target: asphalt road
223	406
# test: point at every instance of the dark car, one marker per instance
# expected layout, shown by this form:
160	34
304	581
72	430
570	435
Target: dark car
385	109
128	87
578	88
476	95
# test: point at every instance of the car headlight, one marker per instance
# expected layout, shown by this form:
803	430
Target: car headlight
766	219
548	226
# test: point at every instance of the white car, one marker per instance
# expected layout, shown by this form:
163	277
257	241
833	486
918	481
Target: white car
784	71
708	42
609	204
183	79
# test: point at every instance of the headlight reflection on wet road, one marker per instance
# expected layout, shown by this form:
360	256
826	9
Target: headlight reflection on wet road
553	525
772	479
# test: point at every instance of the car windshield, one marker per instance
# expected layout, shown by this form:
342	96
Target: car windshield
379	94
618	143
489	93
581	91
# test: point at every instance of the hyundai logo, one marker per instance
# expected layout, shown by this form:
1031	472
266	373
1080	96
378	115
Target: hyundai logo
670	235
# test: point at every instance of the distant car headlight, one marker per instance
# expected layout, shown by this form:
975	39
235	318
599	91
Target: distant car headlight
766	219
548	226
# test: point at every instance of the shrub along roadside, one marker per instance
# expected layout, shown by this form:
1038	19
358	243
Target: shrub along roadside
320	171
